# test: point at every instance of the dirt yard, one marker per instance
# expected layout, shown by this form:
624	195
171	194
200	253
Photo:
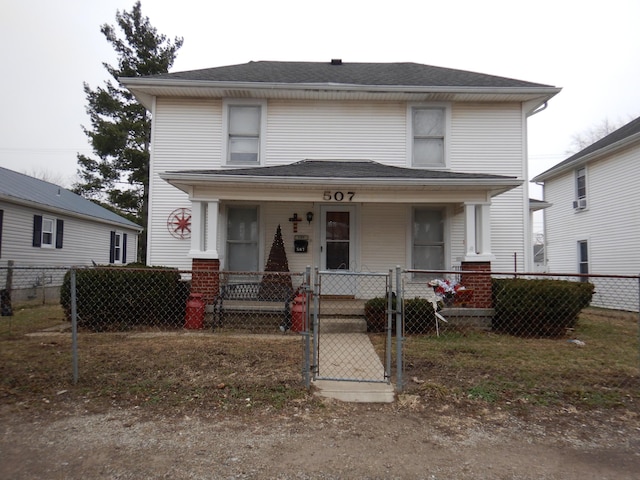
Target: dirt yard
328	440
202	406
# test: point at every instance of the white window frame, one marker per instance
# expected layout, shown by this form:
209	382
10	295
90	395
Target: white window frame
580	260
259	238
580	200
117	248
446	108
52	232
226	104
445	232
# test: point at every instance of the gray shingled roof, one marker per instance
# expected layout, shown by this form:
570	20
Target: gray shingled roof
623	133
359	169
48	196
407	74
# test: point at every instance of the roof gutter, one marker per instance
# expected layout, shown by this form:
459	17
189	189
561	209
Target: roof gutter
141	82
204	179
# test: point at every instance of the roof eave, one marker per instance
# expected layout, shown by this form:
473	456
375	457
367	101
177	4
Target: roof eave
145	88
68	213
583	159
182	179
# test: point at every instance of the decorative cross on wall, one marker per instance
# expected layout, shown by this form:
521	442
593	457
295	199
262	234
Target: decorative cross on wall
295	219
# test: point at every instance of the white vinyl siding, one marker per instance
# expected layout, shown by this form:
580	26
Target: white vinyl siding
612	221
387	224
483	138
84	241
488	138
187	134
336	130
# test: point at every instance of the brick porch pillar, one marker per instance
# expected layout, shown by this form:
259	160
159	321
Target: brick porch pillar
480	282
205	278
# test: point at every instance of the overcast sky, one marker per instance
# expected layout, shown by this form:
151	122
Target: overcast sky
589	48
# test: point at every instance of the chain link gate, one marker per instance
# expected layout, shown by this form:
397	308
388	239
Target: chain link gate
344	307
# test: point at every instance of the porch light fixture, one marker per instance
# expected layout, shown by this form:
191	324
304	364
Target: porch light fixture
309	217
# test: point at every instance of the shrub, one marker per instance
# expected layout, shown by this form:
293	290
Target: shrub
418	314
538	308
121	298
375	314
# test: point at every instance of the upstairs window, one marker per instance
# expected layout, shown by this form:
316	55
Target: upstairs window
428	135
580	202
244	133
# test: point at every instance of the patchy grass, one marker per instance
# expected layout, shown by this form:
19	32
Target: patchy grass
506	370
182	371
30	318
179	370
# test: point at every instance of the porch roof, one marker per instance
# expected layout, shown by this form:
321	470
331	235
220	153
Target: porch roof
361	173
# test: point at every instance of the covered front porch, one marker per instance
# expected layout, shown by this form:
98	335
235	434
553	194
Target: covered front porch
356	216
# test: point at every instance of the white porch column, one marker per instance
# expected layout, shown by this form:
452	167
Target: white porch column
477	232
484	228
469	230
212	229
204	229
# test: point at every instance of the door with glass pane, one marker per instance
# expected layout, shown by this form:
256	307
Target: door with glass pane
338	248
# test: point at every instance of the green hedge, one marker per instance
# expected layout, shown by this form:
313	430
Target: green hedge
121	298
538	308
418	313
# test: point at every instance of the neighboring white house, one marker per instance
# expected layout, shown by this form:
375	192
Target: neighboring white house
44	225
593	223
383	164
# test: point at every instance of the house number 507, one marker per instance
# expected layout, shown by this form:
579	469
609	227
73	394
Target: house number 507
338	196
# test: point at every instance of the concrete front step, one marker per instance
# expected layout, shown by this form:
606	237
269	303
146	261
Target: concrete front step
355	392
342	325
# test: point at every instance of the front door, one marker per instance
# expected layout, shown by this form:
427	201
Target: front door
338	247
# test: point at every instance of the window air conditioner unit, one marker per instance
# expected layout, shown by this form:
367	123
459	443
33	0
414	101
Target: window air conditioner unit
580	204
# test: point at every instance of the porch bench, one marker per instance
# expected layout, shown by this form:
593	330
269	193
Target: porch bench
253	298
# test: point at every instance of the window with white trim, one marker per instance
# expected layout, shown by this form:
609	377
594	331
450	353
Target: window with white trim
583	259
428	136
242	239
47	232
428	247
581	188
118	247
243	130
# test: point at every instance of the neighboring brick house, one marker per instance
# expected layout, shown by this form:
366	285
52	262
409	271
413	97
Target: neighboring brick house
383	164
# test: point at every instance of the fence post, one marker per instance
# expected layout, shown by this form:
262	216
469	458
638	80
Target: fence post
399	339
74	326
390	296
316	320
306	333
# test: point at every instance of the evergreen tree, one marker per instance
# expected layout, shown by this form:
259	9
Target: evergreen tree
120	131
276	283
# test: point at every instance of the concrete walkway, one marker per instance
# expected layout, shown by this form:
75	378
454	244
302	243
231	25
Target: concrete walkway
351	356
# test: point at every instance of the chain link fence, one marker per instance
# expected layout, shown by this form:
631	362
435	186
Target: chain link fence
532	338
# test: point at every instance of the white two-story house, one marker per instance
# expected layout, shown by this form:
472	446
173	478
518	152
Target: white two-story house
364	165
593	223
